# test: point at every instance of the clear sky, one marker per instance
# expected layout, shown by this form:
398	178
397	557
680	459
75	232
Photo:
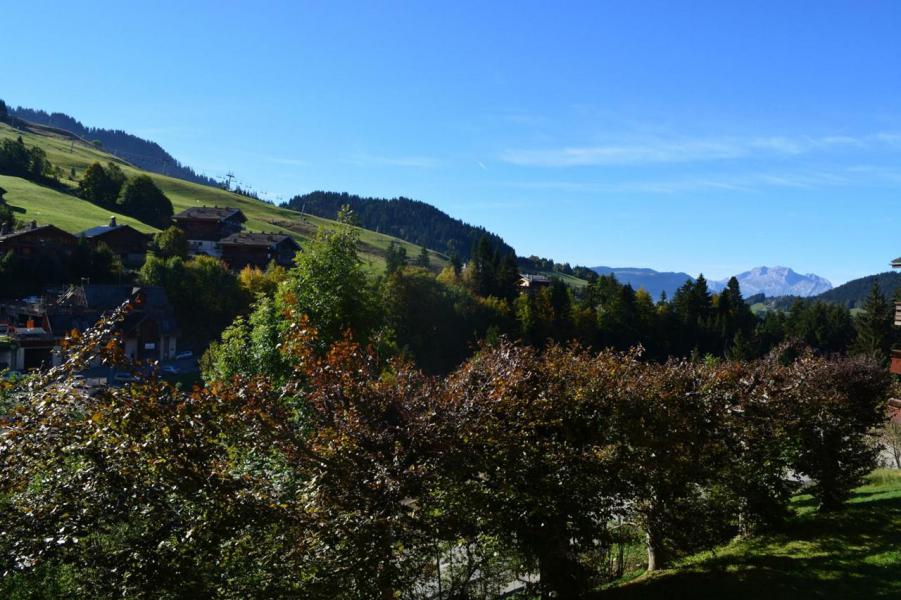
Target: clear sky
696	136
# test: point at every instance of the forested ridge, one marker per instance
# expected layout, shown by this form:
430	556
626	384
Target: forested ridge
854	293
411	220
142	153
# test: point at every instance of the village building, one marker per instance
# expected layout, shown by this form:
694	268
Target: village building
126	241
896	352
35	241
32	329
205	226
258	250
529	282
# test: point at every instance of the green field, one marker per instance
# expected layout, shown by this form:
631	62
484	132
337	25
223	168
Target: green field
46	205
854	553
67	212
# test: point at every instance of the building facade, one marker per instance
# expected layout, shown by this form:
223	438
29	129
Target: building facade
126	241
258	250
32	330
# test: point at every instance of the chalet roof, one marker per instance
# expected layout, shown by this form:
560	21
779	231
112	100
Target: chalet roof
266	240
104	229
106	297
897	263
211	213
32	229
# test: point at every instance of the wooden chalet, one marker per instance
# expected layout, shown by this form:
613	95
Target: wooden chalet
258	250
204	226
529	282
37	241
32	330
126	241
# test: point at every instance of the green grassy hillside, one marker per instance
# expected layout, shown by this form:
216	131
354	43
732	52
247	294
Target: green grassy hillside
854	553
67	152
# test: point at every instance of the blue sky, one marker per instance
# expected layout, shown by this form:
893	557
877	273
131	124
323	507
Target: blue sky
699	136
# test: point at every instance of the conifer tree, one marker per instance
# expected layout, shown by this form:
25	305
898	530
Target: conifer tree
874	326
423	259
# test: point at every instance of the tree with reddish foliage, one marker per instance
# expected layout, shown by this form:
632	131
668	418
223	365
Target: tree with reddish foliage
839	404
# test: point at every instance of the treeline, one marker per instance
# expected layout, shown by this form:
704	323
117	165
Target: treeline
138	197
18	160
142	153
410	220
323	470
438	320
852	293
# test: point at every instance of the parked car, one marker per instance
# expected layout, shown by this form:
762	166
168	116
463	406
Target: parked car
183	355
169	370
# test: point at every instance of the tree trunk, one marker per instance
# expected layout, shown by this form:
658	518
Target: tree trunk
653	552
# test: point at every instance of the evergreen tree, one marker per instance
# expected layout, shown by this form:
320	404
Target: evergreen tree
395	257
423	259
455	263
874	326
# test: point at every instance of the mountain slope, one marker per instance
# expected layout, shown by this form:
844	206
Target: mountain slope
142	153
70	213
779	281
853	293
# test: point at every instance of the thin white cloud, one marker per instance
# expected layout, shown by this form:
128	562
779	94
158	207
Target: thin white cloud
687	150
372	160
741	182
481	165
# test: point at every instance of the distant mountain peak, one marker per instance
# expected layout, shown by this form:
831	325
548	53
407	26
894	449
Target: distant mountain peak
779	281
770	281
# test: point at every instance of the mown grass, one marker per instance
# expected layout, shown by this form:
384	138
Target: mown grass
853	553
51	206
46	205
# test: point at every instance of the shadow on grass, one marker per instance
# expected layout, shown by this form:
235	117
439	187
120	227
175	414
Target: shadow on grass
854	553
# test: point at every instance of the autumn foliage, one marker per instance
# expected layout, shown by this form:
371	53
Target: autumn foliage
352	477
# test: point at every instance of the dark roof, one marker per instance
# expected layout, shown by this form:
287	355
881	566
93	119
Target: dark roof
897	262
105	297
30	230
211	213
104	229
95	231
257	239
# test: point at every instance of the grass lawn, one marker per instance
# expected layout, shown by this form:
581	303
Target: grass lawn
855	553
46	205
